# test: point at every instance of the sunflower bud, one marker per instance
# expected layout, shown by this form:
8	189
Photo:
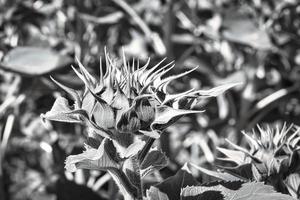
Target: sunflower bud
122	105
272	155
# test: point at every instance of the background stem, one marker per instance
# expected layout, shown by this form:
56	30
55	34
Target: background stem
138	183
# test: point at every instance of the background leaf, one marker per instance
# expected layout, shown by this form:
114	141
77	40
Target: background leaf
34	61
173	185
154	194
234	191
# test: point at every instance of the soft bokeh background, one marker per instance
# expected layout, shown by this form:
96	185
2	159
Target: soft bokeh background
256	43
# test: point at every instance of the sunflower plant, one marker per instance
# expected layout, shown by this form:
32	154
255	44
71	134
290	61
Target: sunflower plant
272	157
125	109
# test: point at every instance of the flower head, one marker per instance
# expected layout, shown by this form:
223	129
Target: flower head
272	154
273	148
124	104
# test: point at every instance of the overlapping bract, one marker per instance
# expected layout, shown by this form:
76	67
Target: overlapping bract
124	104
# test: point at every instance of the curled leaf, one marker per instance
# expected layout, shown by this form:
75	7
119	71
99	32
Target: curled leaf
96	159
62	112
89	154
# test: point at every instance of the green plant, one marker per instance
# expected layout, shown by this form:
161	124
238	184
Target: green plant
184	186
125	110
272	158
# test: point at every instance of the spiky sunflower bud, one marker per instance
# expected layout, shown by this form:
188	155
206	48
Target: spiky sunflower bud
122	104
272	154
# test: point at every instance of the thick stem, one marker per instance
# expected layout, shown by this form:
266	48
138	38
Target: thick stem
168	29
138	183
126	188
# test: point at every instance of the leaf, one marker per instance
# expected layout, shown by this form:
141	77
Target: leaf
232	191
154	194
173	185
220	175
89	154
241	29
165	116
244	172
62	112
155	159
34	61
95	159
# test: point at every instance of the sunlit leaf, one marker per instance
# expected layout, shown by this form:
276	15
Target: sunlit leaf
96	159
62	112
232	191
34	61
219	175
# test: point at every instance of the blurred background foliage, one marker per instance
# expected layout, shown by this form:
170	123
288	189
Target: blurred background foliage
254	42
